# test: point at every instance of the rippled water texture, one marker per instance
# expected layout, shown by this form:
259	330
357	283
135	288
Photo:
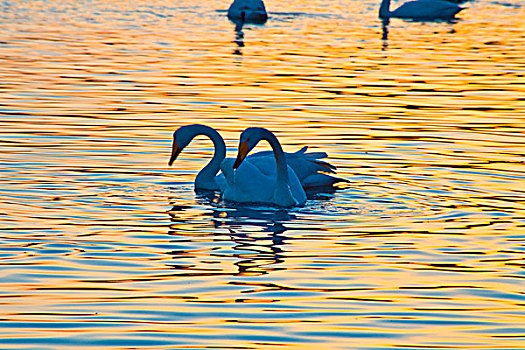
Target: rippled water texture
103	245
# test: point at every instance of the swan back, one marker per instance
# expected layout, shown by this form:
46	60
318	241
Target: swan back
427	9
421	9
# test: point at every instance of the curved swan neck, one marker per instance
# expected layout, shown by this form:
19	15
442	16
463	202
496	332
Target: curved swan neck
280	158
384	9
207	174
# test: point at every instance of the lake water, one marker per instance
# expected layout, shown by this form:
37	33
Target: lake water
102	245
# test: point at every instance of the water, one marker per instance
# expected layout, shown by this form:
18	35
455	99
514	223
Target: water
104	246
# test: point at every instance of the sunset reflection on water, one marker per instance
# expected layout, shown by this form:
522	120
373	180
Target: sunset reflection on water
104	245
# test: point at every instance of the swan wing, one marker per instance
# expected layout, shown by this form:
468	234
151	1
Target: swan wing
426	9
304	164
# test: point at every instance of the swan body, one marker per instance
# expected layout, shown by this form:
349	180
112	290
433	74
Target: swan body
306	165
420	10
249	184
248	11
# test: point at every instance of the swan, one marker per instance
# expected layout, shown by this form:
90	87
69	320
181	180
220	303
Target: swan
420	9
249	184
307	165
247	11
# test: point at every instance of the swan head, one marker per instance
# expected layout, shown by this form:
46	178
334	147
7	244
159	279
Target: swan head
249	139
181	138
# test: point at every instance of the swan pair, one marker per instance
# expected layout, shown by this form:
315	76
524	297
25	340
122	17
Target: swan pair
420	10
269	177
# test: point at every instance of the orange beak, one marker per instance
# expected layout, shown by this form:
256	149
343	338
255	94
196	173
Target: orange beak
175	151
241	154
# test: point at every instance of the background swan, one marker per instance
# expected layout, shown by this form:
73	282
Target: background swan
420	9
248	11
251	185
307	166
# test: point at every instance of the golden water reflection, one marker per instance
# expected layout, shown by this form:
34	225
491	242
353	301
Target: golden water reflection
103	245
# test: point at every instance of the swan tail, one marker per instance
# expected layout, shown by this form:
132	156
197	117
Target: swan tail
327	167
320	181
313	157
301	151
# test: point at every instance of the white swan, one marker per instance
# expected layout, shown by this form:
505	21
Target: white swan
247	11
307	166
420	10
249	184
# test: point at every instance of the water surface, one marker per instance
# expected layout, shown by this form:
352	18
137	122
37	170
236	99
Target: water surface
104	246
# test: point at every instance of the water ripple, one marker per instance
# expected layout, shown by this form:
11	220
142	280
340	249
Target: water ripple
104	245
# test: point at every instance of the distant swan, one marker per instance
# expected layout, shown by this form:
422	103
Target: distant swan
250	184
307	166
247	11
420	9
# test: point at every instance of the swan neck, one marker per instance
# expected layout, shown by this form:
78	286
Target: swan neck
384	9
207	174
280	158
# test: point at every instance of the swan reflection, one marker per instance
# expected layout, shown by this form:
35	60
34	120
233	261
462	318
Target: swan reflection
385	22
384	36
239	37
257	233
257	256
269	219
260	250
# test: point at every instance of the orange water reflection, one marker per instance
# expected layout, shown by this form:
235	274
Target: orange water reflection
103	245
